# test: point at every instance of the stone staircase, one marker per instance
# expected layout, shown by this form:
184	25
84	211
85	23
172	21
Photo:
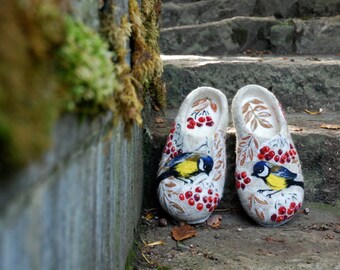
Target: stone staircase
290	47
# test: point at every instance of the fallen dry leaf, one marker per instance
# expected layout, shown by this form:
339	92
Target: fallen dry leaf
159	120
155	244
311	112
215	221
270	239
330	126
296	129
183	232
149	216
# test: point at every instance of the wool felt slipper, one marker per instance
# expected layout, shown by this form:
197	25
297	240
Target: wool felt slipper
268	174
193	164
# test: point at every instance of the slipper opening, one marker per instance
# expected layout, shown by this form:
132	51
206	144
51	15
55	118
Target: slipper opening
257	111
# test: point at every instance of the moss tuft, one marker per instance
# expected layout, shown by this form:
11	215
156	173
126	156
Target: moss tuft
59	64
125	99
85	70
27	81
147	66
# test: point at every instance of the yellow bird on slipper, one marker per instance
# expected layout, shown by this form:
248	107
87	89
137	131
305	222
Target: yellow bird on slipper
187	165
276	177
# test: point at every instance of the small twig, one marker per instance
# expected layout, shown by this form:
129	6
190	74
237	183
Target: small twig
146	259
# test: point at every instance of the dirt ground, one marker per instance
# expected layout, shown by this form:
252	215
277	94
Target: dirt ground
307	242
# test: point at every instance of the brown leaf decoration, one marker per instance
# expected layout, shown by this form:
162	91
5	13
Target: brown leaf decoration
245	107
198	102
254	124
256	101
256	114
264	202
201	104
218	164
251	154
214	221
264	114
260	108
246	148
243	158
265	123
183	232
170	184
213	106
247	117
259	212
219	153
217	176
177	206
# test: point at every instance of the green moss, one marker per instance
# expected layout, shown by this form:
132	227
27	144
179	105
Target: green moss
27	81
59	64
131	259
127	105
86	70
147	66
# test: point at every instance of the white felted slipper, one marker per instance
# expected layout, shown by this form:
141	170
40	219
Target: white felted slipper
192	168
268	174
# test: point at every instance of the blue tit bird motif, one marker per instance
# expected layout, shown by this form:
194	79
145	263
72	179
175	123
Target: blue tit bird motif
186	165
276	177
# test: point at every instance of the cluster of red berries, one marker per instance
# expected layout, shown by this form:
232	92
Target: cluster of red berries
284	213
207	120
169	148
196	199
283	157
242	180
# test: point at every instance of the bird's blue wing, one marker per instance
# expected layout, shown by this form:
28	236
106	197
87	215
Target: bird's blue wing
283	172
179	159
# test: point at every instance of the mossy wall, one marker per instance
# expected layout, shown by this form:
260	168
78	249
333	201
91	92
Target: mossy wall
65	60
74	201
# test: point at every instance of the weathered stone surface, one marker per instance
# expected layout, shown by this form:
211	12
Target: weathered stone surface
299	82
185	12
318	35
306	242
319	7
314	146
282	37
79	207
176	14
230	36
218	38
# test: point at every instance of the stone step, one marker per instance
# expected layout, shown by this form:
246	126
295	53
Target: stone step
319	152
299	82
306	242
238	34
186	12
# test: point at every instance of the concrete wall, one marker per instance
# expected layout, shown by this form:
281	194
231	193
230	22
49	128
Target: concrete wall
78	208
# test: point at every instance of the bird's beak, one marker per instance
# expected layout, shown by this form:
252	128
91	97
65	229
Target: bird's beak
253	174
208	173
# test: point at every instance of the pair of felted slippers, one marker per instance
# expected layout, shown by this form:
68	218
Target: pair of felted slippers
192	169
